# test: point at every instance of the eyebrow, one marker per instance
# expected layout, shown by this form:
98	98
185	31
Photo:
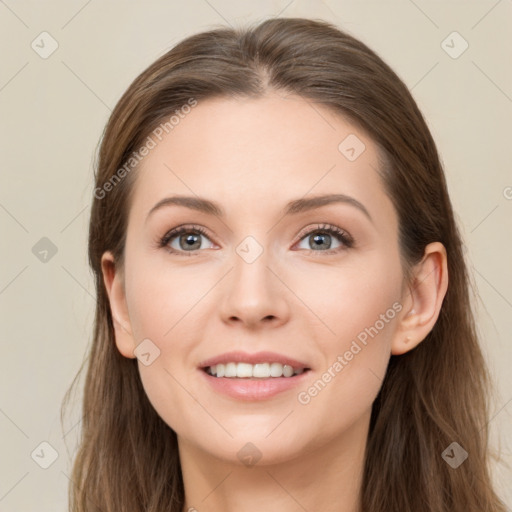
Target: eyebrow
293	207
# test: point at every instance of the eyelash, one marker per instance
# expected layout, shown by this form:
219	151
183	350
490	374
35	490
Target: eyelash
340	234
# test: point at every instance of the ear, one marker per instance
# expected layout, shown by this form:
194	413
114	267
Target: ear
114	284
422	299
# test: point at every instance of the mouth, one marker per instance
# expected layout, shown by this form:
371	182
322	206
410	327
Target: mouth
246	382
255	376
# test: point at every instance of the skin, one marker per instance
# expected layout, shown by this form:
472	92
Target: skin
252	156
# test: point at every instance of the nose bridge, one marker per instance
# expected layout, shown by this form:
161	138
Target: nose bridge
253	293
251	277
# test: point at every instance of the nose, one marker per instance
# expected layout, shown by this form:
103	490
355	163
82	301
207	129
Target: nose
254	294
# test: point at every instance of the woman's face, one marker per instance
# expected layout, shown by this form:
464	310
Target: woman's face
261	278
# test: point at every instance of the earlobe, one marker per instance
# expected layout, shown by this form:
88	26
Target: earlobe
113	281
423	300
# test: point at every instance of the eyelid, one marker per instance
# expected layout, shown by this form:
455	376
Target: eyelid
324	227
173	232
344	237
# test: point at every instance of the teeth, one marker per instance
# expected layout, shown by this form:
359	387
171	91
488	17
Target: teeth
243	370
230	370
259	370
276	370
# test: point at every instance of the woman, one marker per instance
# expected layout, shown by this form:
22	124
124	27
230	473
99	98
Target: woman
238	364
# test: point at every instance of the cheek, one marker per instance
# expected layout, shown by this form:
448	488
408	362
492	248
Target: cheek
365	307
164	305
359	308
162	300
352	298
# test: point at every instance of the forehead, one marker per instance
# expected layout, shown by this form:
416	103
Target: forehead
255	151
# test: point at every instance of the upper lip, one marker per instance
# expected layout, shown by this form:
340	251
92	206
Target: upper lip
257	357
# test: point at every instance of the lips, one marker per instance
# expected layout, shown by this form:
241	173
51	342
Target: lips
255	358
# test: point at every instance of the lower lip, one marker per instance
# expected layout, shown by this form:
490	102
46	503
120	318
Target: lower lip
253	389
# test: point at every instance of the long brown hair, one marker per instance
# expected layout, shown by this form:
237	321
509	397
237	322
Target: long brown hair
436	394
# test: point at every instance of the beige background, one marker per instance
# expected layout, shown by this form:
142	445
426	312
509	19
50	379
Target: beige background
53	111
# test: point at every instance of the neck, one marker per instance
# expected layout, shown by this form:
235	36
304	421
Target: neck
326	477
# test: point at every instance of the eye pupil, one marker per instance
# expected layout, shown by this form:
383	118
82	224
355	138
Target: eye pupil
190	240
320	238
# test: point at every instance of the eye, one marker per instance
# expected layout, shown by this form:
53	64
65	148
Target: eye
321	237
184	239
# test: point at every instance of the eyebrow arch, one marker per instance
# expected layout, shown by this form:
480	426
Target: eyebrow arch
293	207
